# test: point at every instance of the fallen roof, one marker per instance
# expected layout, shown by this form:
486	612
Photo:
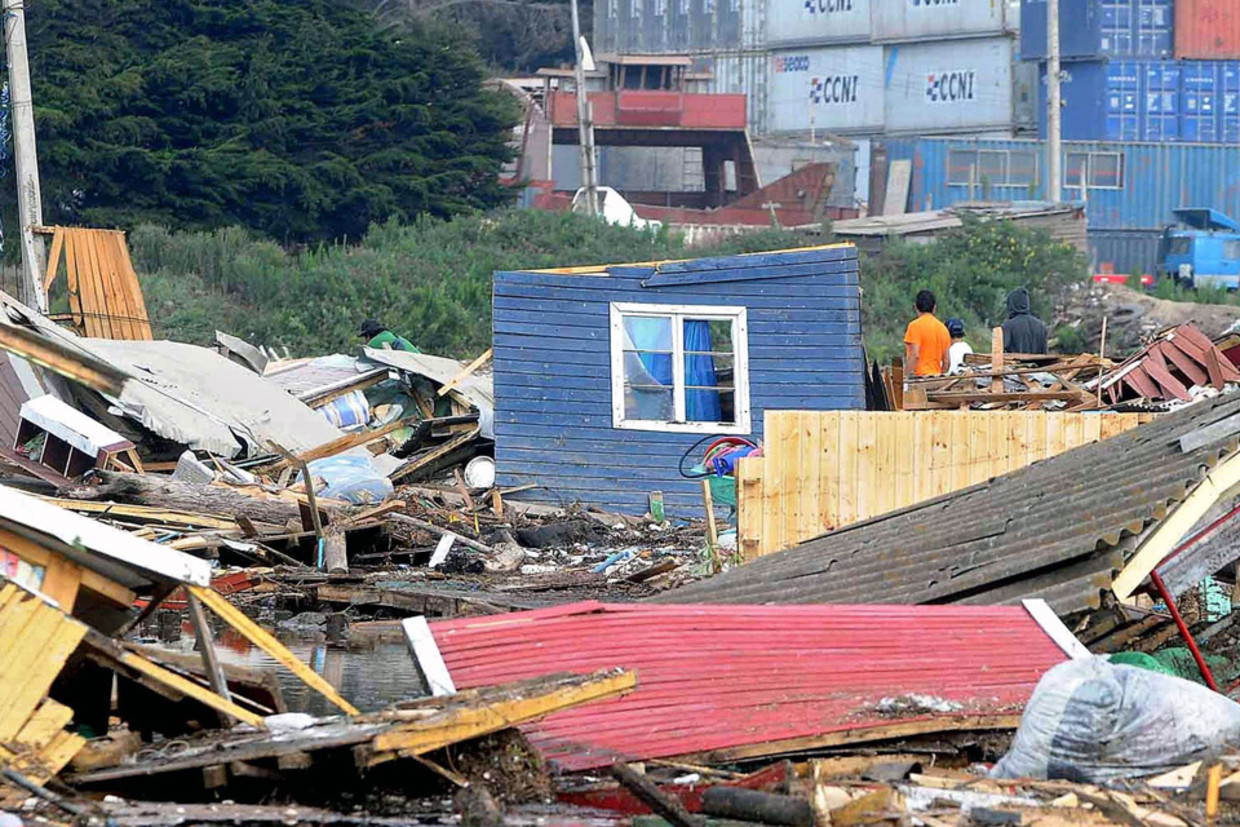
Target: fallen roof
118	555
194	396
757	680
1057	529
478	388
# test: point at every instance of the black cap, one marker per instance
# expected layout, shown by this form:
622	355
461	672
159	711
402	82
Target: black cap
371	328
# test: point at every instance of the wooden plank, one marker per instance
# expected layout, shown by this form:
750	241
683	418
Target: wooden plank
346	443
53	259
749	507
979	446
829	470
866	482
263	640
811	474
853	736
923	456
1054	435
49	640
884	463
49	719
1091	427
996	359
788	429
439	453
1074	431
849	459
905	436
466	722
189	688
74	283
61	581
467	372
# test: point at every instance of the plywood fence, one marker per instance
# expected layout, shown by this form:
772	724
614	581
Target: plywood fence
825	469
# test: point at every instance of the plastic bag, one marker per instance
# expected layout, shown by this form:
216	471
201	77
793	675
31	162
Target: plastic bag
351	477
1093	721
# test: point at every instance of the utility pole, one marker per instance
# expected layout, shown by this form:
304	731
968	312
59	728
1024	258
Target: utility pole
29	200
585	124
1054	111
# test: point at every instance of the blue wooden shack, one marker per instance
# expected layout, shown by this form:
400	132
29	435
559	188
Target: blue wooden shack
606	376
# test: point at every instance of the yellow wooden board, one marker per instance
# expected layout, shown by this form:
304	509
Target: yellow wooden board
822	470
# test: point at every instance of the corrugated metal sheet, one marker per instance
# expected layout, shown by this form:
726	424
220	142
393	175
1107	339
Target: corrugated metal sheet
948	87
553	407
1154	178
1093	29
1207	29
896	20
746	73
816	22
716	678
1056	530
840	88
196	397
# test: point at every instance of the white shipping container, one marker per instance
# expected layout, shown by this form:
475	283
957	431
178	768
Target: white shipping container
790	22
894	20
746	74
833	89
952	86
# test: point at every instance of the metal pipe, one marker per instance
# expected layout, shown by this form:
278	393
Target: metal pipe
1156	578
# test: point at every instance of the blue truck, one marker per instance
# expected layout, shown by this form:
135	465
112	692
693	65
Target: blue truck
1202	249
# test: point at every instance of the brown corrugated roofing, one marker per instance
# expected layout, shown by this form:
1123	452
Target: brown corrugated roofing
1057	529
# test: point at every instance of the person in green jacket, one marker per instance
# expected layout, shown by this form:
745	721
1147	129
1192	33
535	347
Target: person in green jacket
380	338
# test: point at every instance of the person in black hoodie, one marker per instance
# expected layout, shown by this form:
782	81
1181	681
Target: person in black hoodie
1022	332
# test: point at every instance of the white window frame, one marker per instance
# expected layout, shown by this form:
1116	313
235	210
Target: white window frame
1074	182
740	367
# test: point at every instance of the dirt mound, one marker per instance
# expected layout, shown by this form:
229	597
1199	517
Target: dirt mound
1133	316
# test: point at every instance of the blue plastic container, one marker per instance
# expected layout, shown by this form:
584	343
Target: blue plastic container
1089	29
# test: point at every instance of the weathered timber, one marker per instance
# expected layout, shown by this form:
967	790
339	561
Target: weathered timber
667	806
753	805
162	492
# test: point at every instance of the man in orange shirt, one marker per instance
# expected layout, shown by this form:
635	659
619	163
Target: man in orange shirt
926	340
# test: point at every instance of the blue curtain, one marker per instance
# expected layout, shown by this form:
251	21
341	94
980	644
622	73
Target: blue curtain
700	405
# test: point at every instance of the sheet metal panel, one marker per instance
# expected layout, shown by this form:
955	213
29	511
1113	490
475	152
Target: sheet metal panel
948	86
1132	252
993	542
746	73
839	88
1156	178
816	22
908	20
1207	29
717	677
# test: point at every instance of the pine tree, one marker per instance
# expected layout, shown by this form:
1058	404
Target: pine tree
300	119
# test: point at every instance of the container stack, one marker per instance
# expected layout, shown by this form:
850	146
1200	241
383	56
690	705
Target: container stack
859	67
1143	70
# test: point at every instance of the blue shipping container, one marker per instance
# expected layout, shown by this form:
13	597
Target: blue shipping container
1089	29
1133	186
1148	100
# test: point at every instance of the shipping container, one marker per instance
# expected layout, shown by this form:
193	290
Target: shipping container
1202	84
746	73
1090	29
606	25
1131	252
833	89
949	86
917	20
681	31
656	25
1207	29
727	24
816	22
1132	186
1121	100
1160	115
1230	125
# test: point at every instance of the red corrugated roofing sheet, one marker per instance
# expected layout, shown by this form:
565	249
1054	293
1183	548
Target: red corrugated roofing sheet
721	677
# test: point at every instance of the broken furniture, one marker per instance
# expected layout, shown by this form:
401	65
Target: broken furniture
68	443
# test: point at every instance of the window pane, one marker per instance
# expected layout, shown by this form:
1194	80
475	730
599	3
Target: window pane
648	333
991	167
1105	169
648	402
1074	167
1231	250
1022	167
722	363
960	162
